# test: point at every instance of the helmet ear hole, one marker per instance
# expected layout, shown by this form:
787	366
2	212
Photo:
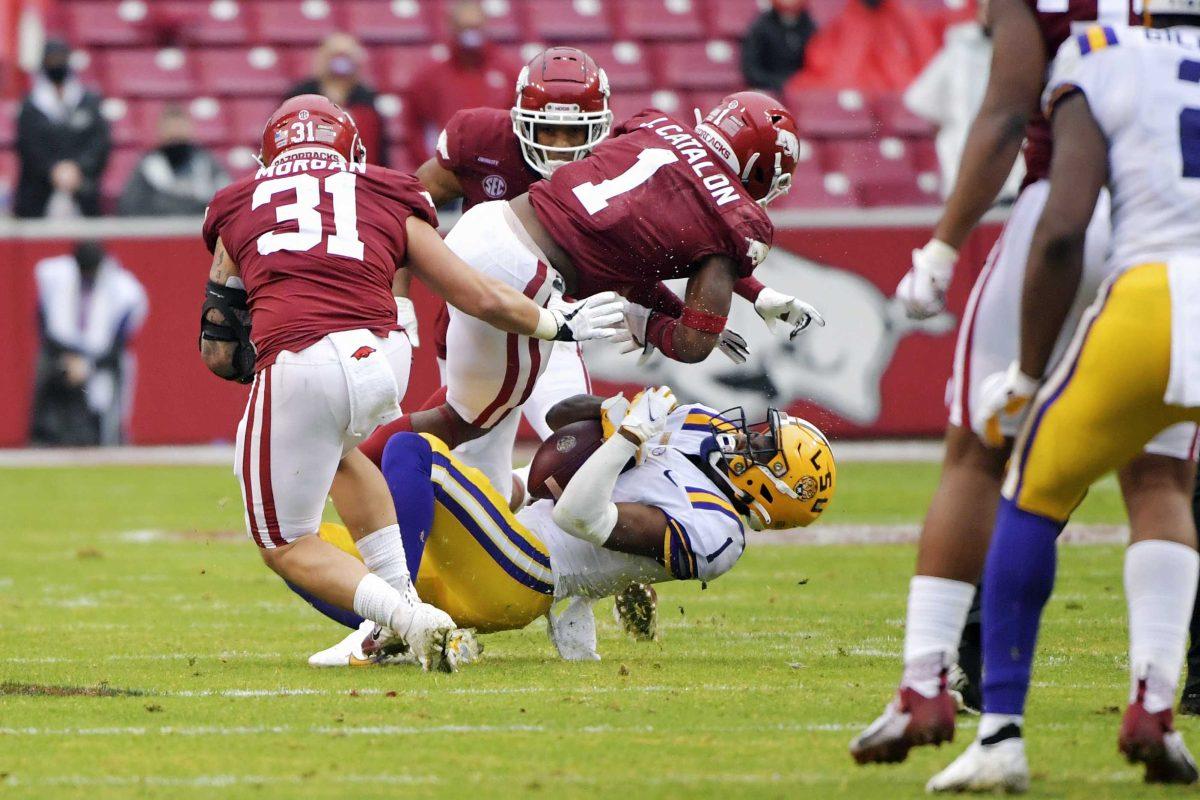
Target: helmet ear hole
766	493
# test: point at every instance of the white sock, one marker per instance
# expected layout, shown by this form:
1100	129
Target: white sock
990	724
383	553
377	600
1160	586
937	612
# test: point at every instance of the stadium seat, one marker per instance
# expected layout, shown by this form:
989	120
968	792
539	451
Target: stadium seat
222	22
238	161
831	190
257	71
924	155
659	19
246	117
391	110
503	20
896	120
120	166
831	113
108	23
307	22
399	65
868	161
730	19
899	191
389	21
8	122
400	160
711	65
210	121
124	123
626	64
149	73
625	104
705	101
568	20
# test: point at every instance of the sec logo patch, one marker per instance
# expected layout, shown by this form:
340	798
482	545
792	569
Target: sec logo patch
494	186
565	444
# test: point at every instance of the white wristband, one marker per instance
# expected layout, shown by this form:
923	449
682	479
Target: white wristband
547	326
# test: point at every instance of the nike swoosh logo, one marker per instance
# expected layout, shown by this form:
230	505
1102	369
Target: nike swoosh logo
355	661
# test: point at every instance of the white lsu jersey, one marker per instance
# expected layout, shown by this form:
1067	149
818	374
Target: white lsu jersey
704	533
1143	88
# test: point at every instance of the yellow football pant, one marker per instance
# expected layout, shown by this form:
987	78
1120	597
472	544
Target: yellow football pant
480	565
1104	402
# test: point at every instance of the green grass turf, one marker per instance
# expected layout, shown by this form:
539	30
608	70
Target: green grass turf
754	690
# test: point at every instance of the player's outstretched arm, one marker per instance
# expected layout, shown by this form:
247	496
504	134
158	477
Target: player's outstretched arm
993	142
690	337
441	183
497	303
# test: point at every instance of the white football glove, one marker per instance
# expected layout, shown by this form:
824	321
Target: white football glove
612	414
922	290
406	317
648	412
1003	403
600	316
632	337
734	346
772	306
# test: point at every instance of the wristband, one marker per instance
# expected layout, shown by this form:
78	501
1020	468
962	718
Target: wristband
749	287
660	332
547	325
702	321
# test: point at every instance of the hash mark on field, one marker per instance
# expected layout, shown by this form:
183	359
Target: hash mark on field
45	690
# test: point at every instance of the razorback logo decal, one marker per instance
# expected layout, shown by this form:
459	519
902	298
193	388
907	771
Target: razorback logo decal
362	352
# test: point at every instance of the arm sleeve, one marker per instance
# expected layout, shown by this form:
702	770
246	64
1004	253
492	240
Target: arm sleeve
749	287
449	144
213	215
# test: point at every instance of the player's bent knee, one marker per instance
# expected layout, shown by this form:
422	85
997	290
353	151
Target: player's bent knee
405	454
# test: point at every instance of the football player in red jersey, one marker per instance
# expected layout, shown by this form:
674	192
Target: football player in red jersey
299	304
954	541
560	113
658	199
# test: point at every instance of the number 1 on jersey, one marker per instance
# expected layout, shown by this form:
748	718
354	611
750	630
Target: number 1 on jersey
309	229
595	196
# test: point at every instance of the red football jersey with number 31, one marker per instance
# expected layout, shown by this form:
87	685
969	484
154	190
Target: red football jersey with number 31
317	247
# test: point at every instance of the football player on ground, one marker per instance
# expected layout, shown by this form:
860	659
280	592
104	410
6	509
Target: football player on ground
678	514
958	524
658	199
1123	103
299	304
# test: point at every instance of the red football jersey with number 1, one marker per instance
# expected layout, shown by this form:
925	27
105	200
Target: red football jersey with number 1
647	205
317	247
478	145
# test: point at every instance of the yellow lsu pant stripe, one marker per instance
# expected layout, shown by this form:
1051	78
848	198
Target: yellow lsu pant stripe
1104	401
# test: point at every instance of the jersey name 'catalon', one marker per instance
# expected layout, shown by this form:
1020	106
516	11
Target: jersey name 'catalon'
718	184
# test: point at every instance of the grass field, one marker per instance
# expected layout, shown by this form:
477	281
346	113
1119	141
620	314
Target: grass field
145	651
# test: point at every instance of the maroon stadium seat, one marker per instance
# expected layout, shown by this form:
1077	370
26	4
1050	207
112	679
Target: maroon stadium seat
8	122
399	65
924	155
831	113
626	63
120	166
659	19
705	101
124	123
575	21
711	65
107	23
246	117
256	71
868	161
896	120
826	191
504	23
225	22
730	19
149	73
306	22
238	161
385	22
898	191
626	104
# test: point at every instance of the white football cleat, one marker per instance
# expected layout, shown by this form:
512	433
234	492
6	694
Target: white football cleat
437	642
368	646
990	768
573	632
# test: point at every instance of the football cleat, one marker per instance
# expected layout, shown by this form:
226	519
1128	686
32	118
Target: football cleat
368	646
991	768
636	610
573	630
437	642
910	720
1151	739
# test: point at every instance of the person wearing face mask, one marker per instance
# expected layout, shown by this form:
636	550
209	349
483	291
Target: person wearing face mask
468	73
337	74
773	48
872	46
62	143
89	307
177	178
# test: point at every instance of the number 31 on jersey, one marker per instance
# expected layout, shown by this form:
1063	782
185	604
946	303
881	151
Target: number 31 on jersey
309	229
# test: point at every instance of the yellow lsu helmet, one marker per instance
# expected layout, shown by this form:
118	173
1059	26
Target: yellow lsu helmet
782	470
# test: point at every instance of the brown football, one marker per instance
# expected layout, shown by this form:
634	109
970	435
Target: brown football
558	458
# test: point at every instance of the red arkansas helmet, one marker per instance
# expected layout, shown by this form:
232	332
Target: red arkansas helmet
756	136
560	86
311	120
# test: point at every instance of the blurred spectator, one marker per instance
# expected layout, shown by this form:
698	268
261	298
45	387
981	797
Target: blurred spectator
62	143
475	74
337	74
949	91
872	46
88	309
773	49
177	178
